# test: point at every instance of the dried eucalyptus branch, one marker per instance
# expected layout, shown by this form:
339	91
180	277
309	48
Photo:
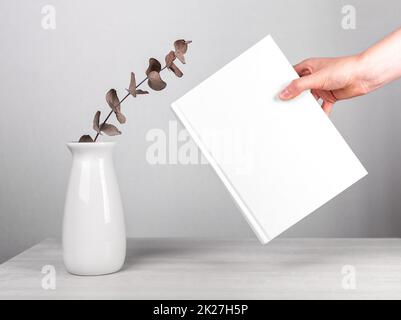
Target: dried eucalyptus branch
155	82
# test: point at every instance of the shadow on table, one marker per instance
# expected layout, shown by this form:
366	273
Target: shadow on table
148	251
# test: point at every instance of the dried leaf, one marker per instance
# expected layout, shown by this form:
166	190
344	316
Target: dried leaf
112	100
170	58
176	70
86	138
96	120
155	81
120	117
139	91
132	85
114	103
181	47
109	129
180	57
171	65
154	65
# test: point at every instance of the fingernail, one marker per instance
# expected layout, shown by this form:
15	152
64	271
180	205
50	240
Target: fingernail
285	94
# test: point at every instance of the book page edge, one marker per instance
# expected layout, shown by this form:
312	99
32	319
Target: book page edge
253	223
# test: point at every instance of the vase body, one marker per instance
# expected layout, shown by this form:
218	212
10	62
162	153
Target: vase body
94	241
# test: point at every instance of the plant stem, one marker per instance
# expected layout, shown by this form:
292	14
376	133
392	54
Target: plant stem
127	95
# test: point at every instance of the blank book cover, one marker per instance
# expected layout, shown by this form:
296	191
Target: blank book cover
280	161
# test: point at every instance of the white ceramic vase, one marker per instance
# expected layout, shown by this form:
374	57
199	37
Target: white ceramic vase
94	240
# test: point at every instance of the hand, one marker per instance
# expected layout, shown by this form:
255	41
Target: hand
333	79
329	79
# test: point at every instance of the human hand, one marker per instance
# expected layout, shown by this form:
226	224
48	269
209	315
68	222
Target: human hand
333	79
329	79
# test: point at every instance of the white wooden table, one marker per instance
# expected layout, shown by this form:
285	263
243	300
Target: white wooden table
206	269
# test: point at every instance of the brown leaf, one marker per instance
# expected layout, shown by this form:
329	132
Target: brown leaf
139	91
180	57
120	117
176	70
170	58
155	81
110	129
171	65
112	100
132	85
181	47
96	120
154	65
114	103
86	138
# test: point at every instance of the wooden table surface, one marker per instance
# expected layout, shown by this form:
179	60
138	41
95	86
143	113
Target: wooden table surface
208	269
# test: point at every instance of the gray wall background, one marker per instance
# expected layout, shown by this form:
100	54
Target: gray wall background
52	82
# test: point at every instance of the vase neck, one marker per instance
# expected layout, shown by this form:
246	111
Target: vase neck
91	150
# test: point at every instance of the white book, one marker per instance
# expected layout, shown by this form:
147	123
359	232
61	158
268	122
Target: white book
279	160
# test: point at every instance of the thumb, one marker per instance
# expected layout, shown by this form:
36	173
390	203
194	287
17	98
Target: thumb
297	86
